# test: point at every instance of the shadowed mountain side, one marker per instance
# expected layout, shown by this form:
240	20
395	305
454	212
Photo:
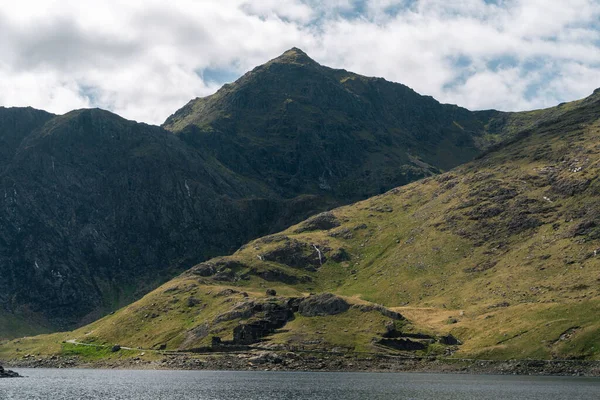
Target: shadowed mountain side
98	209
15	124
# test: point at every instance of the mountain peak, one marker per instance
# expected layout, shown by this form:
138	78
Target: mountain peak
295	56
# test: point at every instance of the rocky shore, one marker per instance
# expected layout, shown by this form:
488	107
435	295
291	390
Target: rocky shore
292	361
5	373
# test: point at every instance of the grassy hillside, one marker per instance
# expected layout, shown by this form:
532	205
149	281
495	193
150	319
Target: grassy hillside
503	253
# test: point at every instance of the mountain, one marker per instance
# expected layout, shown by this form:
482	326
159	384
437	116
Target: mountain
303	127
15	125
98	210
495	259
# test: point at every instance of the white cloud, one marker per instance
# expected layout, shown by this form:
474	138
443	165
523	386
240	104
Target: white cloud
144	59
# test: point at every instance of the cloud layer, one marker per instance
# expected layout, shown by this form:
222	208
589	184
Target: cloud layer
145	59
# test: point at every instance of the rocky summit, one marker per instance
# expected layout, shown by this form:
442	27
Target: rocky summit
304	128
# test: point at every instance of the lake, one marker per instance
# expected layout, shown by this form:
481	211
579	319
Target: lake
63	384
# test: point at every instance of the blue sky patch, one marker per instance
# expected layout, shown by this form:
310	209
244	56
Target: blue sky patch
503	62
218	75
90	93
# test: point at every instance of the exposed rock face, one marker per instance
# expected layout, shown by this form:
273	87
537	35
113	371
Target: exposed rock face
261	319
199	332
323	304
296	254
340	255
449	340
252	332
211	268
275	317
403	344
323	221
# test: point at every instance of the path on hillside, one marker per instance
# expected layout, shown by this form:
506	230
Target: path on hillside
75	342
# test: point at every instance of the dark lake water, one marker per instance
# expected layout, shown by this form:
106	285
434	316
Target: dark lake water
57	384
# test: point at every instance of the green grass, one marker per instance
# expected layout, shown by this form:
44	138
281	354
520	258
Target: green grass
350	331
91	353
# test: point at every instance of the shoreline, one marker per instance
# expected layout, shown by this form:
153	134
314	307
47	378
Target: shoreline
288	361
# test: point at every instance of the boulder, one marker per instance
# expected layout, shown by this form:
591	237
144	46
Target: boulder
322	304
449	340
5	373
277	275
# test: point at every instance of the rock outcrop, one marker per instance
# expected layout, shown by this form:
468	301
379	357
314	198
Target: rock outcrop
324	221
322	304
297	254
5	373
270	316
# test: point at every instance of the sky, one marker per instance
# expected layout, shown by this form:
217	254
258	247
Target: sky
145	59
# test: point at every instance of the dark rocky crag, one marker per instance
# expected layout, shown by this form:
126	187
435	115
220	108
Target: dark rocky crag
304	127
96	210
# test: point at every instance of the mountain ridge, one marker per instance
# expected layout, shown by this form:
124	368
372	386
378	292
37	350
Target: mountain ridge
327	118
